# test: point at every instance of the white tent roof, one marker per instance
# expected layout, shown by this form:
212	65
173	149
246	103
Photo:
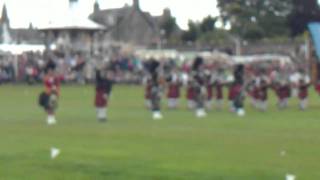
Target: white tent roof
261	58
156	53
19	49
73	23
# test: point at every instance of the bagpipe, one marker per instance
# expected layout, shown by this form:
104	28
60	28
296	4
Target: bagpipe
48	101
79	66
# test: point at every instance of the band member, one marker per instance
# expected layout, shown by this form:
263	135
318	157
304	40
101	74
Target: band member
199	87
190	95
262	103
218	84
303	86
174	85
104	83
147	91
254	92
156	90
210	78
283	91
238	89
231	92
49	98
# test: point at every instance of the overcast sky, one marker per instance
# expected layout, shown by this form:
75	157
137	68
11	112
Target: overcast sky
39	12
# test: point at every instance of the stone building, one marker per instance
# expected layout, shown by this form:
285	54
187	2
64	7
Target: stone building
130	24
127	25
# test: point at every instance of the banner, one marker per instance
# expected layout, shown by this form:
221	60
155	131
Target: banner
314	29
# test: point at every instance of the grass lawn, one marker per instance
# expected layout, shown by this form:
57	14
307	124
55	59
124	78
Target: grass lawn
260	146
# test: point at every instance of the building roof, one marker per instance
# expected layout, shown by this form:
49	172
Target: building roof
73	24
72	21
128	24
109	17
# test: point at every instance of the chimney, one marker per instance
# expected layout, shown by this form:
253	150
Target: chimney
136	4
96	7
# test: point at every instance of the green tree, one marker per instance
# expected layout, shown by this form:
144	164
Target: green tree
169	25
218	37
208	24
192	34
256	19
303	13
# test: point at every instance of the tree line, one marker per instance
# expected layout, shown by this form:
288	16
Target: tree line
250	20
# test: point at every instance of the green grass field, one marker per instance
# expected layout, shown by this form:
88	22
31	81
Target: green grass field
132	146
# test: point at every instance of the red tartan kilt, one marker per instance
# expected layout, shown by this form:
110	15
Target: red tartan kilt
100	100
173	91
233	92
303	94
263	96
317	87
282	94
255	93
219	93
190	94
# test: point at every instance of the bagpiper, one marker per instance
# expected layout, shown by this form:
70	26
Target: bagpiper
156	89
174	86
49	98
303	85
238	90
104	83
199	87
